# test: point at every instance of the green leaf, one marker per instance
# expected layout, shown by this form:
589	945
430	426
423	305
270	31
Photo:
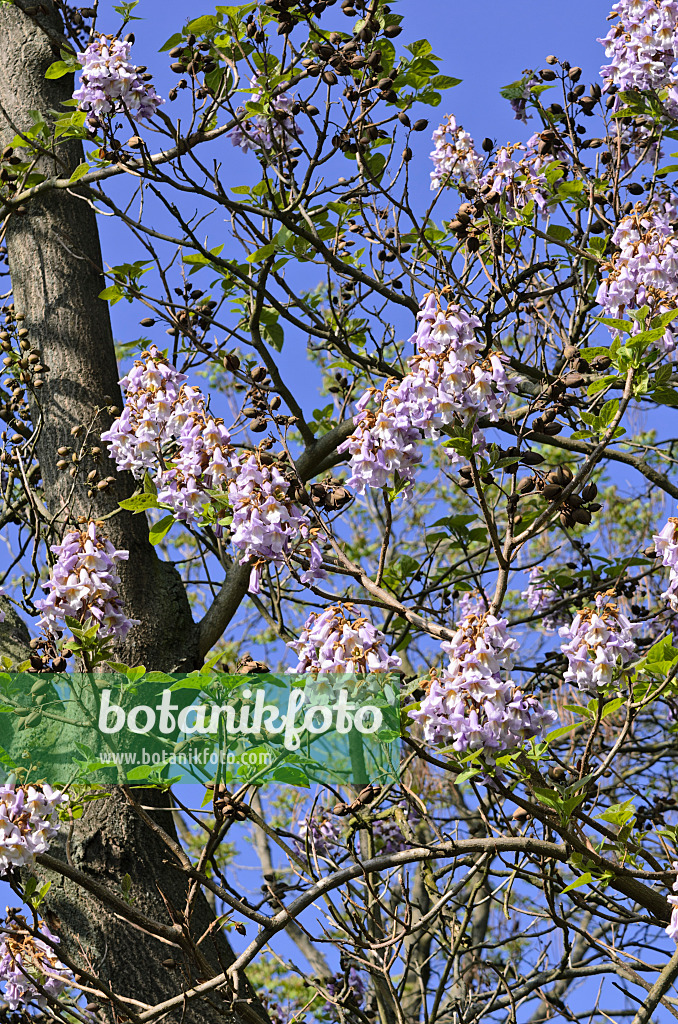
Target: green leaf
274	335
618	814
159	530
466	775
139	502
608	412
79	172
60	68
207	23
112	294
584	879
664	318
559	232
421	48
291	776
619	325
171	42
612	706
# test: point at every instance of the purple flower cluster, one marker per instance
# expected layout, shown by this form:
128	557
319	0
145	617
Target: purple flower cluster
470	704
642	47
28	820
83	584
599	644
166	430
266	131
518	174
666	546
320	831
645	271
335	642
454	156
109	83
27	961
342	986
517	171
266	522
446	383
540	595
519	103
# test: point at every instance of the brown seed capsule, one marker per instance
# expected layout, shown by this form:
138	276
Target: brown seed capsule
531	459
589	492
552	491
526	485
520	815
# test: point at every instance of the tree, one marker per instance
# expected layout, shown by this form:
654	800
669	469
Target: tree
477	513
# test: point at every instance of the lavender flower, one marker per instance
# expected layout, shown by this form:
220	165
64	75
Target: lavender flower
540	595
26	961
266	131
28	820
347	986
266	522
645	271
666	546
454	156
470	704
166	430
519	103
83	584
446	384
335	642
518	173
109	83
600	645
642	47
320	831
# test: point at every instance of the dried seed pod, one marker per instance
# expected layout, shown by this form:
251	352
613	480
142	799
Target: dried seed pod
531	459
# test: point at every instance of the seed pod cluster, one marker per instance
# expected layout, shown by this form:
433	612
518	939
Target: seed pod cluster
45	657
226	805
366	796
578	509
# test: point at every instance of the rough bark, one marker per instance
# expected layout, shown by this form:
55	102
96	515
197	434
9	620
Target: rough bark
55	266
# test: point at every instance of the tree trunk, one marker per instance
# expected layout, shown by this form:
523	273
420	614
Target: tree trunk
55	266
